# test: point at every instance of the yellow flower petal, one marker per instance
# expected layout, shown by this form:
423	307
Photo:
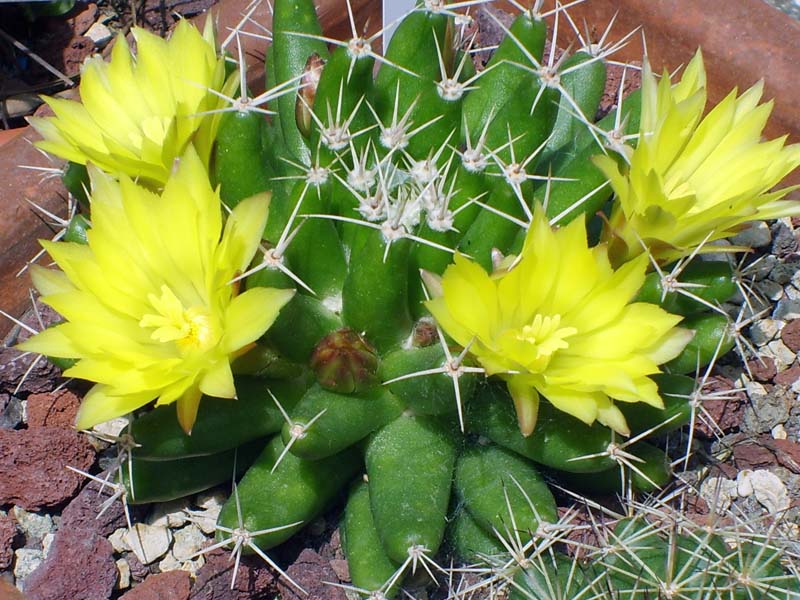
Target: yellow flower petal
218	381
99	406
50	281
610	416
50	342
561	324
250	314
138	116
526	403
150	312
581	405
694	179
670	345
187	408
470	295
243	231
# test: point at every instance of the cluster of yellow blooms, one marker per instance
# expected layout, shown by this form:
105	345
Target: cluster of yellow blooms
137	115
151	313
561	322
694	180
149	305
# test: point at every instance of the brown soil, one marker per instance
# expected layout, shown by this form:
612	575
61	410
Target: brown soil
62	43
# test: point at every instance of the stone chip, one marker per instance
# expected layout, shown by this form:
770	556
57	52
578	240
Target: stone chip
148	542
34	466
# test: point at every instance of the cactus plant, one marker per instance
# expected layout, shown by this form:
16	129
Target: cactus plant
659	553
447	320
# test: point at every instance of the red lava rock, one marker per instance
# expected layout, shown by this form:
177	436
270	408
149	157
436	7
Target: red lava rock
34	466
83	513
489	32
9	592
153	16
790	335
762	368
22	226
695	505
8	531
311	571
76	52
172	585
340	567
727	411
788	454
335	544
14	366
84	19
725	470
633	81
765	452
788	377
752	456
139	571
55	409
585	530
79	565
253	579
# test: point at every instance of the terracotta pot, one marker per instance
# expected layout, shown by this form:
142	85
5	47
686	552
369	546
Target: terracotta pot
742	41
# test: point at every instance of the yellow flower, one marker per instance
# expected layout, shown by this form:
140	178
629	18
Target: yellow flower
560	323
148	305
693	179
138	115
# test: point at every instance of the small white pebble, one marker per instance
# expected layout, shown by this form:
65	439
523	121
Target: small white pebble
744	487
757	235
26	560
118	542
770	491
723	256
783	356
99	34
47	541
168	563
33	525
779	432
123	574
791	292
206	520
764	331
787	309
754	388
148	543
187	542
770	289
111	428
718	493
169	514
213	499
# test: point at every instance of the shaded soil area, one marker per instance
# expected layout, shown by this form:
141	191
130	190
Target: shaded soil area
42	54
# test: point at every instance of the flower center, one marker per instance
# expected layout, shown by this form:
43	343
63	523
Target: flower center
190	328
545	336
